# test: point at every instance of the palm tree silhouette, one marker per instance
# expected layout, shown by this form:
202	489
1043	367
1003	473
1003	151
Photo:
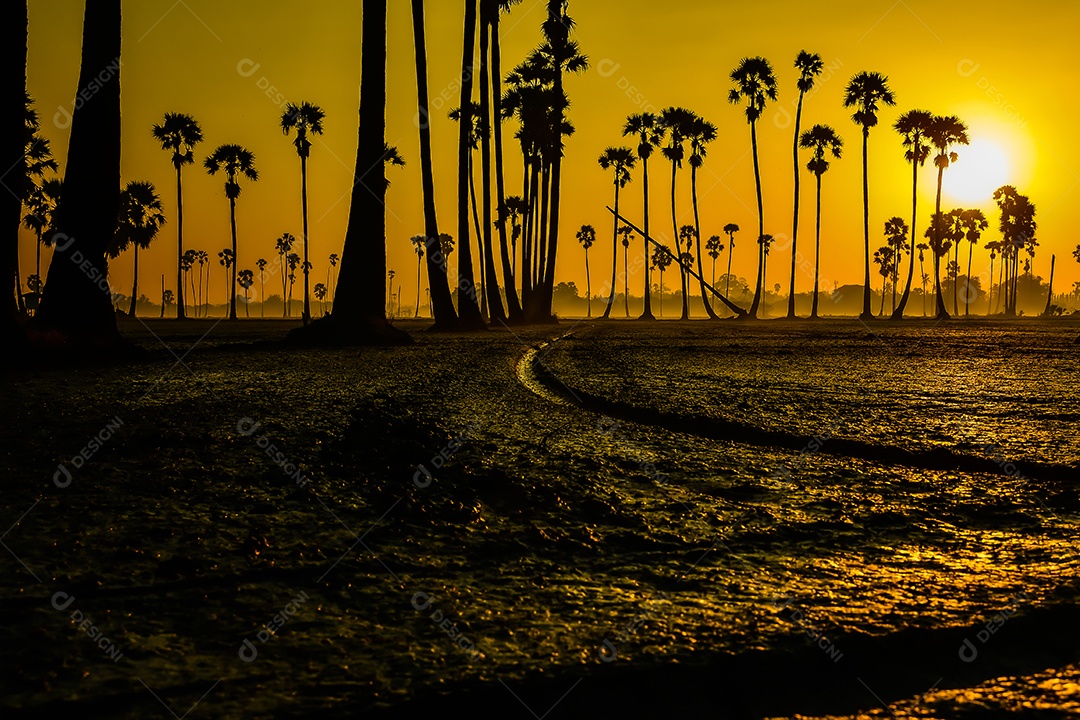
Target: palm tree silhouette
187	262
730	229
944	132
284	245
896	231
304	119
974	222
261	264
37	158
246	278
809	66
714	246
227	259
390	274
687	236
864	92
292	262
883	258
41	212
914	128
922	248
647	128
823	140
676	122
765	244
418	242
587	236
320	295
621	161
141	217
755	84
234	161
442	303
627	235
661	259
179	134
478	129
702	132
202	258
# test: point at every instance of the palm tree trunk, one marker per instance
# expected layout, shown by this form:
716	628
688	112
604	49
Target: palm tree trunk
556	12
626	280
866	313
1050	289
307	286
898	313
134	281
588	283
442	302
697	229
647	312
479	243
761	223
181	312
542	239
232	270
967	295
20	301
817	250
678	242
795	217
417	313
491	279
942	313
727	278
990	290
77	300
614	249
514	311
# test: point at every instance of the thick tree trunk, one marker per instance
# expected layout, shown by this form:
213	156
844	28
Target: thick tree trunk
442	302
77	299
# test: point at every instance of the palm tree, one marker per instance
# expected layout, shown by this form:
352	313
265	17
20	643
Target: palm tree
587	236
661	259
292	262
304	118
140	218
621	161
41	212
37	158
714	245
234	161
179	134
922	248
227	259
883	258
809	66
993	246
167	299
261	264
647	128
76	300
203	259
974	222
755	84
944	132
676	122
418	242
390	293
765	244
823	140
627	235
187	262
246	278
896	231
331	282
478	130
687	236
864	92
320	295
702	132
730	229
284	245
914	128
442	303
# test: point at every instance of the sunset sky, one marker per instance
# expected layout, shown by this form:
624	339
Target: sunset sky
1005	69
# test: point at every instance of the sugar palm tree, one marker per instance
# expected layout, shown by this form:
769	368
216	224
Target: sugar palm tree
660	260
730	229
620	160
627	235
922	248
944	133
765	244
883	258
227	259
702	133
478	129
261	264
824	141
755	84
292	262
284	246
913	127
37	159
179	134
141	217
234	161
331	274
203	259
865	92
974	222
896	231
246	278
587	236
714	246
809	66
41	209
677	123
305	119
320	295
418	243
187	264
646	127
687	236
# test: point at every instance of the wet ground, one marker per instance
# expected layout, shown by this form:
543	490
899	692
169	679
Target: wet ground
750	520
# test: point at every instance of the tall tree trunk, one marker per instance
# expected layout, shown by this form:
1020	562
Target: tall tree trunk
588	284
817	248
468	307
231	271
761	224
513	303
867	314
134	282
795	218
1050	291
181	312
647	312
307	287
626	279
442	302
942	313
898	314
479	243
697	229
13	35
678	244
967	295
614	250
77	299
727	278
491	279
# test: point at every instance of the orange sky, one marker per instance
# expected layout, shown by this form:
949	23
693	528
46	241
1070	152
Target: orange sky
232	65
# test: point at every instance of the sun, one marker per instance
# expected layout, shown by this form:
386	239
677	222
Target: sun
983	167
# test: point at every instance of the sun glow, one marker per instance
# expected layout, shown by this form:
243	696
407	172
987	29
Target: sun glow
983	167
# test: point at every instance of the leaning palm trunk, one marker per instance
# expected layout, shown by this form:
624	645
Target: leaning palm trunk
761	224
77	299
442	303
675	229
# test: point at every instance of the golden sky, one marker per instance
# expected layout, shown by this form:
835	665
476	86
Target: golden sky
1005	69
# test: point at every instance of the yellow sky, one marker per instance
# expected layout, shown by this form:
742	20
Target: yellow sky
1007	73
